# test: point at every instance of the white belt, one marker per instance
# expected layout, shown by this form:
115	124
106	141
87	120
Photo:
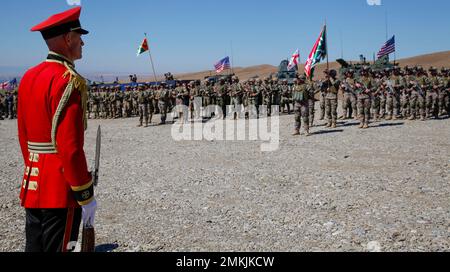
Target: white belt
41	148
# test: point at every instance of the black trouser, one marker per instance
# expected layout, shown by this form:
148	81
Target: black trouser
45	229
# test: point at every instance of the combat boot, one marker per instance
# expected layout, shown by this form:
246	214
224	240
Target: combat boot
411	117
140	125
365	126
328	124
296	132
361	125
333	125
389	117
307	133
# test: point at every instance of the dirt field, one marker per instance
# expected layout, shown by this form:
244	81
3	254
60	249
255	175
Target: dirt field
382	189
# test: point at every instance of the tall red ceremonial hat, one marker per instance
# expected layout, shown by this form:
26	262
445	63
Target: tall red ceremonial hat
61	23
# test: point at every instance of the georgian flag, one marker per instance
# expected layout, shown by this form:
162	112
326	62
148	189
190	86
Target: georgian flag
294	60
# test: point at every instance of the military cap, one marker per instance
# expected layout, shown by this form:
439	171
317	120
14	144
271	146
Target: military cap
61	23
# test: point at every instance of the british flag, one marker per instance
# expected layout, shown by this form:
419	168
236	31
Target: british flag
8	85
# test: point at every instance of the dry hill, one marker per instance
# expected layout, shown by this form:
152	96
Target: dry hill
439	59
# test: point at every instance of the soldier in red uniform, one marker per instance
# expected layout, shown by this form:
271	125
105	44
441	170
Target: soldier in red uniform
57	188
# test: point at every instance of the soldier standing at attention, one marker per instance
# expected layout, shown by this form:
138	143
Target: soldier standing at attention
163	102
363	90
285	94
143	106
57	189
331	85
349	101
300	96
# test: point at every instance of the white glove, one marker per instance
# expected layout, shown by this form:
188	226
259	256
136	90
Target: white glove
88	213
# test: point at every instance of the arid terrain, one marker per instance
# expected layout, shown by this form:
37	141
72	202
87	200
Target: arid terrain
386	188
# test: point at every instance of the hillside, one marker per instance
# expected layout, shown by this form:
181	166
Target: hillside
438	59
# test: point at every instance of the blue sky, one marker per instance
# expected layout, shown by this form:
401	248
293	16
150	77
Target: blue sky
188	36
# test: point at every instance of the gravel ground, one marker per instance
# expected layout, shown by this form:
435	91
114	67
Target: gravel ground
382	189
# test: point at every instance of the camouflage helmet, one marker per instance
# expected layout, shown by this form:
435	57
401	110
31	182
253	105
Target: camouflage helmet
432	69
302	77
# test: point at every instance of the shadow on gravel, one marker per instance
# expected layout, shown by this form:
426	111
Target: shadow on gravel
390	125
348	124
327	131
106	247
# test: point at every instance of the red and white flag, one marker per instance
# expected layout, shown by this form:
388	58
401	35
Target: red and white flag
294	60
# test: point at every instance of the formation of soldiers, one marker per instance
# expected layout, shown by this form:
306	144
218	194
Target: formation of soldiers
8	105
409	93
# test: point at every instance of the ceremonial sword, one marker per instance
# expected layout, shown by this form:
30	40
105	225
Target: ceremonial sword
88	235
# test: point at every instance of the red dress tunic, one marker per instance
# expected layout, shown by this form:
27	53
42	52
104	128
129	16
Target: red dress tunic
51	124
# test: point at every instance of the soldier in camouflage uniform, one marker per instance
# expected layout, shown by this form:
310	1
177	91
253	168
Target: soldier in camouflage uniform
383	93
398	84
2	106
431	85
285	97
331	86
376	95
90	101
364	88
163	102
119	102
349	100
276	94
311	87
444	93
221	91
267	95
440	84
143	106
236	93
300	96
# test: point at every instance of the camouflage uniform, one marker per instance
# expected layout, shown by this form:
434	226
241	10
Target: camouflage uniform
363	89
143	106
349	100
236	93
163	102
331	86
311	101
285	96
300	96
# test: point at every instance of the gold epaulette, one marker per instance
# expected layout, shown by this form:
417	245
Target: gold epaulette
76	82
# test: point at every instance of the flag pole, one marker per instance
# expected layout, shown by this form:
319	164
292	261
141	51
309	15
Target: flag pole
326	44
151	60
232	57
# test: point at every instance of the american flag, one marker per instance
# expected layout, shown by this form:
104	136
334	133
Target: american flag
388	48
222	64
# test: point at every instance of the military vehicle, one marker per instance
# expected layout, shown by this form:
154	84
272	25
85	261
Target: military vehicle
284	73
216	78
378	65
